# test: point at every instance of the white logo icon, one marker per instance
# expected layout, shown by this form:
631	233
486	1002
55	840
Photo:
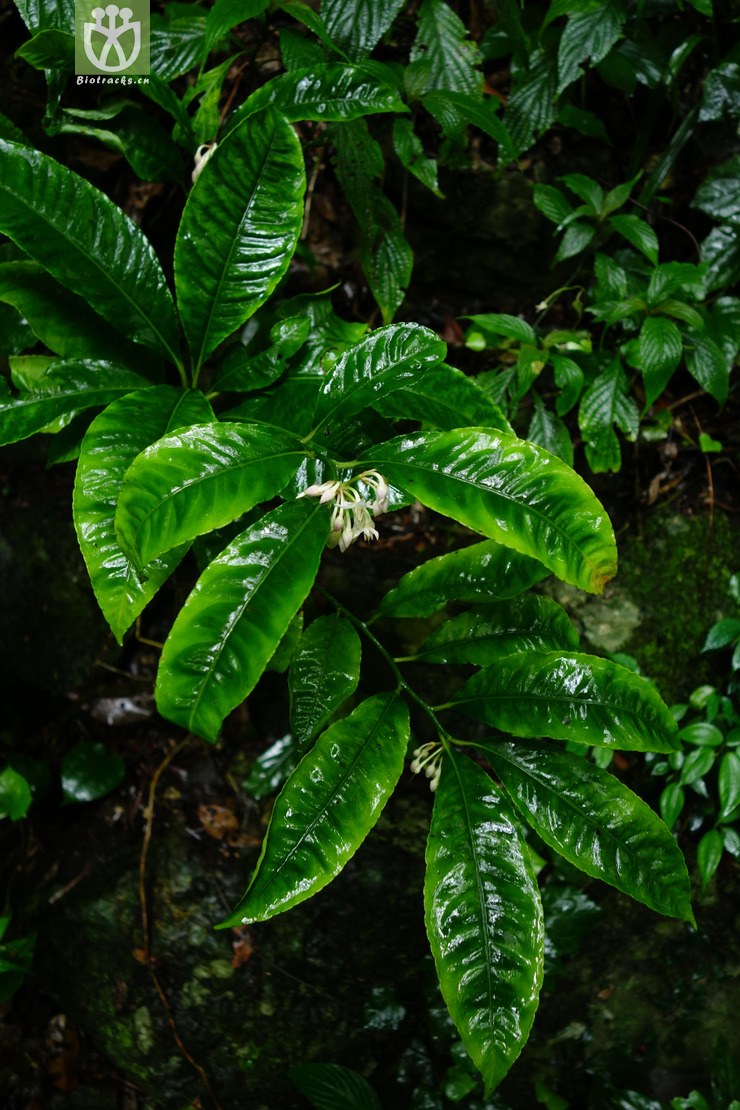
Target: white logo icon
113	32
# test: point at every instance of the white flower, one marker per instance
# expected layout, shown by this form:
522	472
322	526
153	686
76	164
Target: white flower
202	154
378	484
352	515
428	758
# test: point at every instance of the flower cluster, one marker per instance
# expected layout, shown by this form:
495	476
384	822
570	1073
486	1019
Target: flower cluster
352	515
428	758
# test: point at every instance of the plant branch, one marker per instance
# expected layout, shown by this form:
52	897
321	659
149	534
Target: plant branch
362	627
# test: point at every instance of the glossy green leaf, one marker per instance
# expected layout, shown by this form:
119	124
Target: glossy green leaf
67	387
552	203
729	783
160	93
63	321
331	91
531	106
90	771
15	794
483	917
717	194
696	765
442	45
50	211
679	310
606	403
577	237
232	622
670	277
323	674
588	35
199	479
15	334
387	257
289	407
239	230
500	323
388	359
724	326
445	398
618	196
595	822
671	803
410	149
638	233
708	365
298	51
243	372
332	1087
305	14
113	441
455	110
486	634
328	806
272	768
709	854
37	14
569	380
721	634
283	654
547	430
177	40
702	733
570	697
49	49
29	373
226	14
659	348
135	134
510	490
483	572
359	25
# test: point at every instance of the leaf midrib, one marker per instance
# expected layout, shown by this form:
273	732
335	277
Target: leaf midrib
491	638
561	797
237	614
124	586
198	482
321	814
362	382
526	507
314	704
481	898
549	699
232	247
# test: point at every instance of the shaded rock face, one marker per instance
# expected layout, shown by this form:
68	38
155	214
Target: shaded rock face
248	1004
465	243
642	1003
670	587
50	627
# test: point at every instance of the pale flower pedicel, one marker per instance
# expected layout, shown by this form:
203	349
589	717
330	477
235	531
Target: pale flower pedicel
352	515
428	758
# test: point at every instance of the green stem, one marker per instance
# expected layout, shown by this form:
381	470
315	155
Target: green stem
362	627
183	375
